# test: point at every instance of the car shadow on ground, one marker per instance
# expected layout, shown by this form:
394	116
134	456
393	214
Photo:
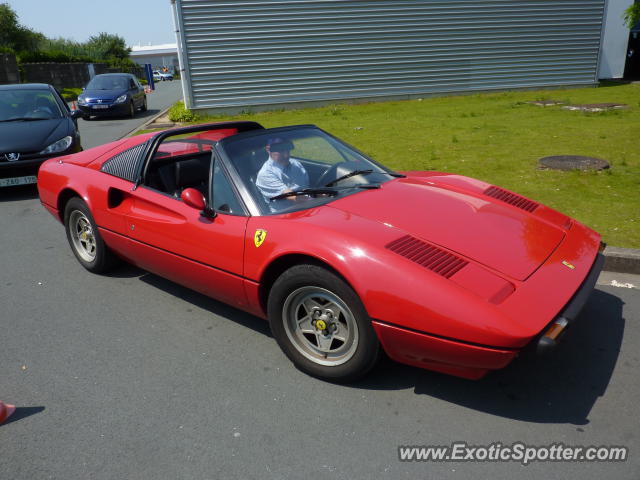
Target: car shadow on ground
22	412
206	303
148	114
559	388
22	192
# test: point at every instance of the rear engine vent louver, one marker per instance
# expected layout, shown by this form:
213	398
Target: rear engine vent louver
429	256
511	198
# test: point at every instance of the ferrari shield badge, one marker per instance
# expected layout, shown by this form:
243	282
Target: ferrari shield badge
259	237
568	265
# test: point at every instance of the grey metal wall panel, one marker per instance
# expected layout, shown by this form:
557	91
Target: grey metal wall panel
247	53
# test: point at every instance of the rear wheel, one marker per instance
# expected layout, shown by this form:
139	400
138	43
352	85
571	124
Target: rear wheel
321	325
84	238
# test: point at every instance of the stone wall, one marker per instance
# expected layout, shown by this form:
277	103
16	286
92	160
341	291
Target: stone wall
65	75
9	72
60	75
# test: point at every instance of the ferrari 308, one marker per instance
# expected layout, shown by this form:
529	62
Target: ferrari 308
344	257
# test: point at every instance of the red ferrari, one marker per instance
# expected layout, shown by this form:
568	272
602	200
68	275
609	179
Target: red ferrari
344	257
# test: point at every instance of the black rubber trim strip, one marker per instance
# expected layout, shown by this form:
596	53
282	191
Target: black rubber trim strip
442	337
178	255
577	303
538	346
31	162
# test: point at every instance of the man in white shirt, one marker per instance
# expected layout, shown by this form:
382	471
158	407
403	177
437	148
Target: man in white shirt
281	173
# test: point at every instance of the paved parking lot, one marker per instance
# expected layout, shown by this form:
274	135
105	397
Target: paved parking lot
131	376
101	130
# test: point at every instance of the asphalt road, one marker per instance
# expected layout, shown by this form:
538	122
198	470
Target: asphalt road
130	376
101	130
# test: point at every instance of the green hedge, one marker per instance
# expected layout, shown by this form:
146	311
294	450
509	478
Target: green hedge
51	56
179	113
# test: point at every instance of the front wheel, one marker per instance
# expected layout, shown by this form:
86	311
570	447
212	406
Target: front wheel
321	325
132	109
84	238
144	104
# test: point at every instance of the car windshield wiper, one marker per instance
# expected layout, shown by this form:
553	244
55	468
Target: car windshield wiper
348	175
23	119
305	191
394	174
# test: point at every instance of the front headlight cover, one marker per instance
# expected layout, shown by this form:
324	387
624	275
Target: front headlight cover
82	101
121	99
59	146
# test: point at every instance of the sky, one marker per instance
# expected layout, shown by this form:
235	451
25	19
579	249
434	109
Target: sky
138	22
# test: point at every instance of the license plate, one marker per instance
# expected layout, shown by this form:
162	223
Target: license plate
96	107
11	182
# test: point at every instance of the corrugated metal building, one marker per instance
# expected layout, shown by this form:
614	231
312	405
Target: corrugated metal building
257	53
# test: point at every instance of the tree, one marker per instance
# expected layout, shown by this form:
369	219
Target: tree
632	15
106	46
15	36
8	25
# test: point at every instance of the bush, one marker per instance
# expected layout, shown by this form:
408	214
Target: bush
179	113
70	94
51	56
123	64
56	56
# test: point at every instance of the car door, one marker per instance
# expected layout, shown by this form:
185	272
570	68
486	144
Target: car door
176	241
134	92
141	92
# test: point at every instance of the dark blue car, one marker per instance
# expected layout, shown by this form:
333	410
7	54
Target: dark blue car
112	94
35	124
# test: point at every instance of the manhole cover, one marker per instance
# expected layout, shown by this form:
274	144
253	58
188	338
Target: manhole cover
596	107
546	103
573	162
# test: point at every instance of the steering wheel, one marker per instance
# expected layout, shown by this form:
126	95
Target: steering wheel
336	170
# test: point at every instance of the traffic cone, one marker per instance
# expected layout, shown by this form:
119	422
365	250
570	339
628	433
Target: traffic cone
5	411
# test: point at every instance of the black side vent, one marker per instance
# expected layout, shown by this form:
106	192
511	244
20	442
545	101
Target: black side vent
125	164
429	256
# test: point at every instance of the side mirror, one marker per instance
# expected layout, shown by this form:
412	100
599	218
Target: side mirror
75	114
193	198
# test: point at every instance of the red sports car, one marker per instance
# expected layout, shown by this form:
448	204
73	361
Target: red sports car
344	257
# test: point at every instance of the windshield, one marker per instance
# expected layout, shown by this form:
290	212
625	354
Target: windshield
289	169
109	82
28	105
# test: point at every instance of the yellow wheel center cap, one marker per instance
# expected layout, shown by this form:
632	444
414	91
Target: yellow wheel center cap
83	235
321	325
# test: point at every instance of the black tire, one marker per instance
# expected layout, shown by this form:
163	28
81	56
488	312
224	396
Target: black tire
144	104
86	117
350	348
90	249
132	109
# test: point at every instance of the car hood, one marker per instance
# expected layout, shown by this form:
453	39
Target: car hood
497	235
32	136
103	94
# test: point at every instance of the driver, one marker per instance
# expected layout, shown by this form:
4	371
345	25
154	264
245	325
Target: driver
281	173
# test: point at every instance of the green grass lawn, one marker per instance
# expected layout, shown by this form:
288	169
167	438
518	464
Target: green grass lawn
499	138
